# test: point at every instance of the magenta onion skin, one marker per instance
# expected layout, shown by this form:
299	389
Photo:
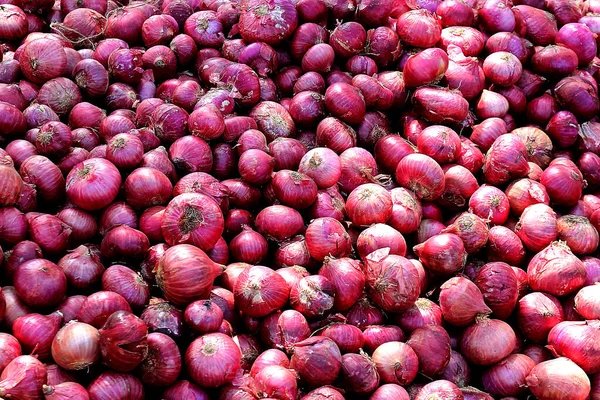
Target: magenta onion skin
577	340
507	378
317	360
558	379
487	331
543	267
396	363
223	352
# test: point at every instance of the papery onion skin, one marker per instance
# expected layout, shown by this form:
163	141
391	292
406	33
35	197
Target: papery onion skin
317	360
431	343
223	352
544	267
477	346
23	378
577	340
443	388
537	314
111	385
392	281
198	276
396	363
557	380
76	346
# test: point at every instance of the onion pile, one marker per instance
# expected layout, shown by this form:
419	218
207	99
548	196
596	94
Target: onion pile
299	199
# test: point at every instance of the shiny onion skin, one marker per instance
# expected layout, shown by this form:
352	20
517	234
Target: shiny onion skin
396	363
213	360
259	291
185	273
93	184
111	385
487	341
558	379
577	340
317	360
23	378
123	341
431	343
507	378
392	281
555	270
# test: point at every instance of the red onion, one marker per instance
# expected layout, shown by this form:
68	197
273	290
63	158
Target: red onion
163	363
70	307
213	359
347	279
443	253
76	346
440	143
23	378
396	363
578	341
111	385
193	218
43	60
461	302
164	318
181	389
499	286
274	380
124	243
392	281
539	231
278	20
578	233
423	312
352	109
541	25
375	336
369	204
431	343
544	266
411	170
83	267
390	390
11	349
498	336
457	371
96	309
203	316
419	28
186	263
65	390
93	184
259	291
525	192
46	176
123	342
425	67
127	283
537	314
36	331
471	229
279	222
585	302
317	360
564	184
359	373
45	277
312	296
440	105
378	236
558	379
